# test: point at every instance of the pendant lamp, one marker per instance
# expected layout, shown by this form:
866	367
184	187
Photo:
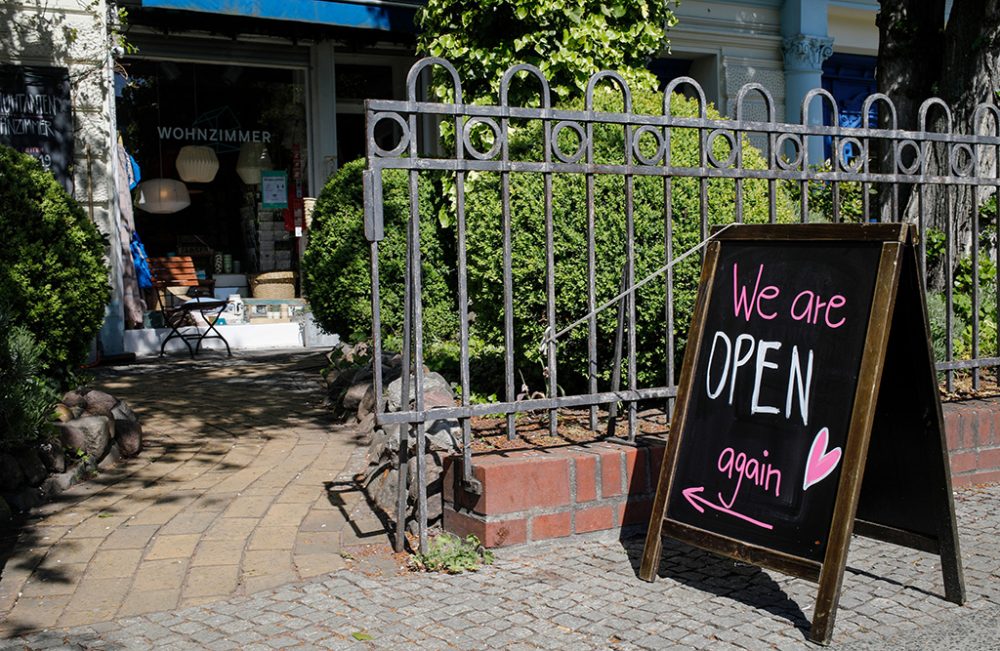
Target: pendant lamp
197	164
253	159
163	196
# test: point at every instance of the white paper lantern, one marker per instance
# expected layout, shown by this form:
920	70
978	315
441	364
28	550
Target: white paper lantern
253	159
163	196
197	164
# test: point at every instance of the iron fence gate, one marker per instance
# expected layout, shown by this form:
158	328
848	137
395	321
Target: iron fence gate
920	172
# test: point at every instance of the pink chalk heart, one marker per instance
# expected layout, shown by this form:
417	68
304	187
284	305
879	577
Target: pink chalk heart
820	463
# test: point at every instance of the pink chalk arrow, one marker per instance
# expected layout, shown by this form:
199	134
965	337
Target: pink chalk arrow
693	496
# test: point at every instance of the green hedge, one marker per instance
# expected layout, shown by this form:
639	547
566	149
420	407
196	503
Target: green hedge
53	278
336	266
27	398
570	219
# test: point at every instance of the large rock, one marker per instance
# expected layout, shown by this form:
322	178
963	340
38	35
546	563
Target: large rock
437	392
64	413
52	456
99	403
11	475
128	430
76	398
355	392
32	467
92	434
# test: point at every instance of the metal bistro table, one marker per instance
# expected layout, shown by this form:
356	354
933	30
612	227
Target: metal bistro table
181	316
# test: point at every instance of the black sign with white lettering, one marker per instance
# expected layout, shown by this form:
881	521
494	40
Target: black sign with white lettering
773	392
36	116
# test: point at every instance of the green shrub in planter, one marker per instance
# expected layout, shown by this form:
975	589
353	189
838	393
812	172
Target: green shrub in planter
52	273
570	244
27	397
336	266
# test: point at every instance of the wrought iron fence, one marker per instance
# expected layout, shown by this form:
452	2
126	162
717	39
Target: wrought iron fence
886	174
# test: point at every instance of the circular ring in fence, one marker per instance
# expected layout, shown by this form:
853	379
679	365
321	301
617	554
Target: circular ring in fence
792	142
710	146
404	140
580	134
491	124
902	148
784	162
851	164
661	145
960	168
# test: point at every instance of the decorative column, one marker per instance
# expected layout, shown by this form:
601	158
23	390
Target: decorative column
804	56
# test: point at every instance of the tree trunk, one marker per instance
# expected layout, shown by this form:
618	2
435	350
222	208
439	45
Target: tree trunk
921	56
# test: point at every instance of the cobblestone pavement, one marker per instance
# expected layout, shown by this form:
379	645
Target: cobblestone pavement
584	594
243	485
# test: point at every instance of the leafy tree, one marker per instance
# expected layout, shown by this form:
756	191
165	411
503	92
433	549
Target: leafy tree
568	40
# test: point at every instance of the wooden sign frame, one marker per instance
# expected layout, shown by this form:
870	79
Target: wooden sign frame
898	298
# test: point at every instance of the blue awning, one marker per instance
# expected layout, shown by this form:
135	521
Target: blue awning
395	17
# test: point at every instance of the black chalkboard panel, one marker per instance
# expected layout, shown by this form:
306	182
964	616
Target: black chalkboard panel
809	368
783	336
36	116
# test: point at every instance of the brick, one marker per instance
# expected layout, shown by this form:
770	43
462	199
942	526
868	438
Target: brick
985	434
611	471
551	525
586	477
953	429
595	519
961	481
656	452
988	459
636	474
963	462
522	483
987	477
491	534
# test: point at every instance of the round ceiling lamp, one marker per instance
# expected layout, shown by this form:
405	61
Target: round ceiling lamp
197	164
253	159
163	196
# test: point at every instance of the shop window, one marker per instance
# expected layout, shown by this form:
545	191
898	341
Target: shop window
239	113
360	82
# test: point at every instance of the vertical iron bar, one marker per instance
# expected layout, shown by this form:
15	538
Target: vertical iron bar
463	325
508	300
418	361
949	242
591	278
835	185
974	191
632	295
668	281
550	284
403	486
616	366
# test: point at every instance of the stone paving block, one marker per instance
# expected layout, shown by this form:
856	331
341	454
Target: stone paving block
172	546
210	580
163	574
218	552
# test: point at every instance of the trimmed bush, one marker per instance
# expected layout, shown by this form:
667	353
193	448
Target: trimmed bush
336	266
570	244
27	397
53	278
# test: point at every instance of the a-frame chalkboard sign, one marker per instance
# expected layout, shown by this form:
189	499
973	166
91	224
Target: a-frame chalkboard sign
808	409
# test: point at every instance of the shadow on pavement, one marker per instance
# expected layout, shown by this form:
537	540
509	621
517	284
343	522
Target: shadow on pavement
720	576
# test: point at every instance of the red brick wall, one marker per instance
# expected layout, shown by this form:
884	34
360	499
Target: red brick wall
973	431
534	495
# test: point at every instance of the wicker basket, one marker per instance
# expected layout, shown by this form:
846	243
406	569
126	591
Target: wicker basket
273	284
